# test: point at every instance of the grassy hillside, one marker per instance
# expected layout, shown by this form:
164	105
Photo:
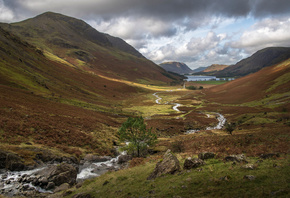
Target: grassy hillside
262	58
49	104
73	41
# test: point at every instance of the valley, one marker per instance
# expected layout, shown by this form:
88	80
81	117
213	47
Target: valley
66	89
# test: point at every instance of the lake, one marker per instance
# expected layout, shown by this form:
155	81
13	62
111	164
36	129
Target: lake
205	78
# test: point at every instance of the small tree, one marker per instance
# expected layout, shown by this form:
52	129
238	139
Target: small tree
139	137
230	127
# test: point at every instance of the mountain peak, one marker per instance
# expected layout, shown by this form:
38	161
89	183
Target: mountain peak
176	67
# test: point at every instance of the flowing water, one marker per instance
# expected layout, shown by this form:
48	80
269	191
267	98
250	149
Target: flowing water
219	117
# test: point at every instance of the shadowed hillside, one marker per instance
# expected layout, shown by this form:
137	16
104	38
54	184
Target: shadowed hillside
73	41
176	67
262	58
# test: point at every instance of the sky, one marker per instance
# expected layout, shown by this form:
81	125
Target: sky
196	32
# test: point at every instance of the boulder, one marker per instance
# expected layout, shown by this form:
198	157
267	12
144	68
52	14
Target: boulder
249	167
96	158
11	161
192	163
206	155
59	174
168	165
124	158
236	158
62	187
249	177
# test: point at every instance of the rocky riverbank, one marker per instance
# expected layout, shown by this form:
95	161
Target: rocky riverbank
51	174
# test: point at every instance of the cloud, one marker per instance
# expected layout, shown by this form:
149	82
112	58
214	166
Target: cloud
266	33
6	14
198	32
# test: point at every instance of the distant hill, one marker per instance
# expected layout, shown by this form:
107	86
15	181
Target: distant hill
262	58
211	70
215	67
199	69
270	86
77	43
176	67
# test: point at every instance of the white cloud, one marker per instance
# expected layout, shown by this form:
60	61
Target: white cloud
6	14
266	33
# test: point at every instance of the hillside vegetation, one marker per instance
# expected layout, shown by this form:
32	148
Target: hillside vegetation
77	43
66	89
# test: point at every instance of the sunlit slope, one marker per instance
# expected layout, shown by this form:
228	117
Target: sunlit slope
77	43
269	86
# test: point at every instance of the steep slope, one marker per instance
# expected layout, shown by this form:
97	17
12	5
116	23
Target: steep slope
75	42
269	86
199	69
262	58
215	67
176	67
212	70
48	104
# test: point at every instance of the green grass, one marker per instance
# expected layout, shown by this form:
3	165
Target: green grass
271	179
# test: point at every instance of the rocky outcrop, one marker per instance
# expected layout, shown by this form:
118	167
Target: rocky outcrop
124	158
236	158
55	175
193	163
206	155
11	161
168	165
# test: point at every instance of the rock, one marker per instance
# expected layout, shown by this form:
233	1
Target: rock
206	155
96	158
249	177
124	158
11	161
249	166
82	195
269	155
169	165
224	178
193	163
237	158
62	187
59	174
50	186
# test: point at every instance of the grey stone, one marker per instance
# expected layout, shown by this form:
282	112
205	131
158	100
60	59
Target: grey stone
249	177
168	165
237	158
192	163
206	155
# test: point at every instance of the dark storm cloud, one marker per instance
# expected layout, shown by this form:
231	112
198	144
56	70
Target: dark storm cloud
162	9
146	24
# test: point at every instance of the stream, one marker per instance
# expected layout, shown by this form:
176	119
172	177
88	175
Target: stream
12	183
221	119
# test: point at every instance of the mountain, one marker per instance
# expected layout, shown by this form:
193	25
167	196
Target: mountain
75	42
64	86
176	67
270	86
211	70
215	67
262	58
199	69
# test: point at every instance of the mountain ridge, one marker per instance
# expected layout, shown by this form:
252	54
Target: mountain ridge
260	59
176	67
77	43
